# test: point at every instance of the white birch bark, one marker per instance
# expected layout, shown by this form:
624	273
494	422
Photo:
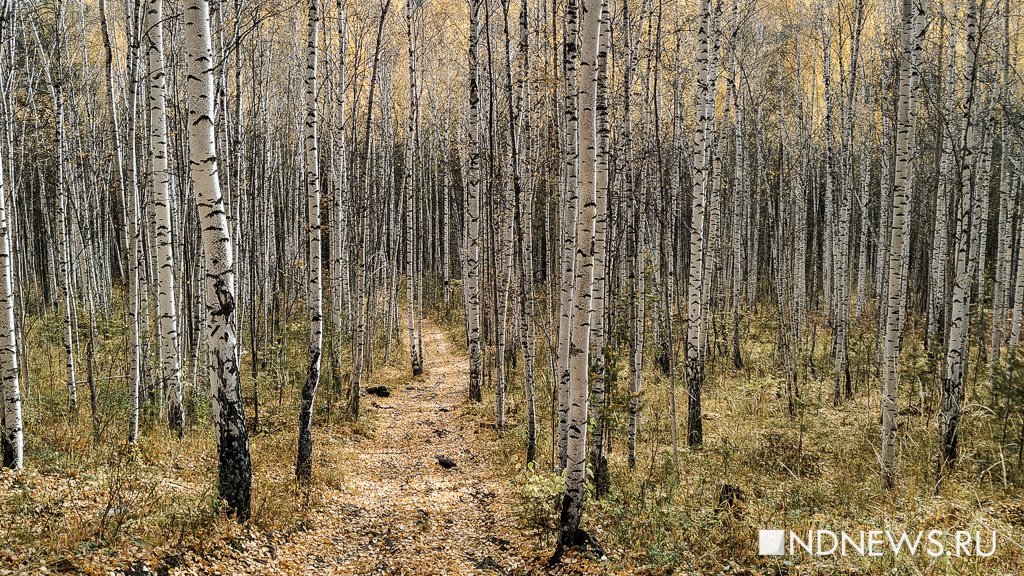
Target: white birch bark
166	297
54	72
235	467
800	205
862	206
472	216
830	224
598	460
341	290
129	200
579	346
713	211
410	198
905	125
739	192
1017	316
632	195
701	182
315	303
569	217
841	247
525	240
11	441
136	261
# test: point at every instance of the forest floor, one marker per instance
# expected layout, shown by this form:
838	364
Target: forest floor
381	504
396	510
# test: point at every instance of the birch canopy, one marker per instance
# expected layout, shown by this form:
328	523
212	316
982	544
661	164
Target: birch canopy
509	286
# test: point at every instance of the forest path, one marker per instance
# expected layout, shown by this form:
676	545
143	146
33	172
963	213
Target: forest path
398	511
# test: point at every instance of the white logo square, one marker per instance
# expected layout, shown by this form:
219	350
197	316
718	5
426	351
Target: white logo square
771	542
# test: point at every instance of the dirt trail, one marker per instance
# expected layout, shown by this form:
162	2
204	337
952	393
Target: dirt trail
398	511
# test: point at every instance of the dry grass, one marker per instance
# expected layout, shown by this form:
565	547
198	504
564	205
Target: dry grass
85	506
817	469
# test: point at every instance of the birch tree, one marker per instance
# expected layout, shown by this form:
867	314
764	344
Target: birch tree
1017	317
472	215
130	200
410	197
235	468
598	362
956	346
937	290
341	311
166	300
54	71
310	127
11	439
701	154
636	353
569	216
579	350
912	20
1004	249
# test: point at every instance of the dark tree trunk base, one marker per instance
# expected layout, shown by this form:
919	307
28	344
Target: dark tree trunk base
578	539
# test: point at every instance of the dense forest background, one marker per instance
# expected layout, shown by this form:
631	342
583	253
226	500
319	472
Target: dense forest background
672	272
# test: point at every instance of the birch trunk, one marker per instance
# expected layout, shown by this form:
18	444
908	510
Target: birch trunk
739	193
166	297
862	206
235	467
800	205
526	267
579	347
410	198
1004	252
11	441
570	208
472	216
1017	317
630	193
136	262
315	304
129	201
841	246
956	347
598	362
341	291
701	151
938	285
54	71
912	14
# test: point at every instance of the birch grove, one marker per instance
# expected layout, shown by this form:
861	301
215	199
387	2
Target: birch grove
295	226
